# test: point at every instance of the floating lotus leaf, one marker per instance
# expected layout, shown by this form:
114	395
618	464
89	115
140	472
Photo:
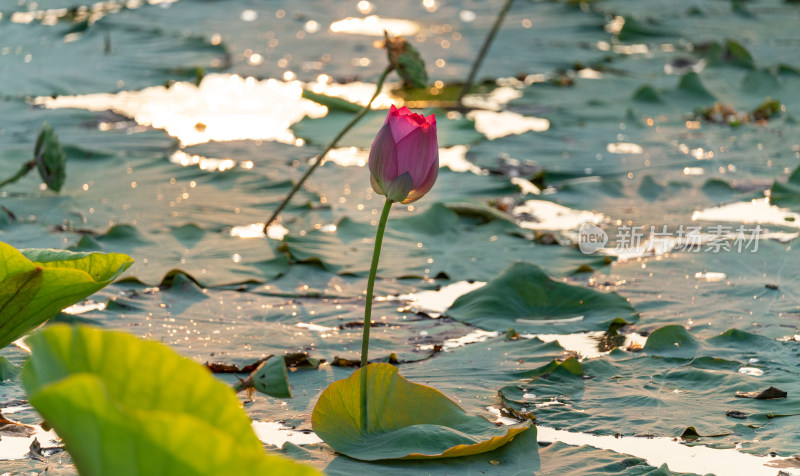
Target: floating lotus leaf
405	420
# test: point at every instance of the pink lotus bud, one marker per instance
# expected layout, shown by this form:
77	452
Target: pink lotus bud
404	159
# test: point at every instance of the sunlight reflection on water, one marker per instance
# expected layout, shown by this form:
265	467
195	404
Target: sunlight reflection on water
435	303
495	100
18	447
500	124
586	343
628	148
658	451
473	337
661	450
711	276
274	433
83	307
228	107
758	211
374	25
209	164
546	215
276	231
224	107
90	14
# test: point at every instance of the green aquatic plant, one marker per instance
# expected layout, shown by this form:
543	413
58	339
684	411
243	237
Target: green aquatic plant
128	407
375	413
35	284
48	157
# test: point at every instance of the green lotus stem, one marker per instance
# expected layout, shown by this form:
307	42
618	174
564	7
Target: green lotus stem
26	167
330	146
373	270
484	49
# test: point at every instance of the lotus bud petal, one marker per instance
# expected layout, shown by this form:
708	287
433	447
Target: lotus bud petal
404	158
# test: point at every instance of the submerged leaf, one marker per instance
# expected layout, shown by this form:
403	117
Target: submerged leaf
736	414
633	28
767	394
448	244
691	84
7	369
647	93
691	433
731	53
672	340
787	194
406	420
524	296
570	366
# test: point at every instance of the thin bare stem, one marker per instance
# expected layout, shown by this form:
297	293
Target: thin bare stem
26	167
484	49
331	145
